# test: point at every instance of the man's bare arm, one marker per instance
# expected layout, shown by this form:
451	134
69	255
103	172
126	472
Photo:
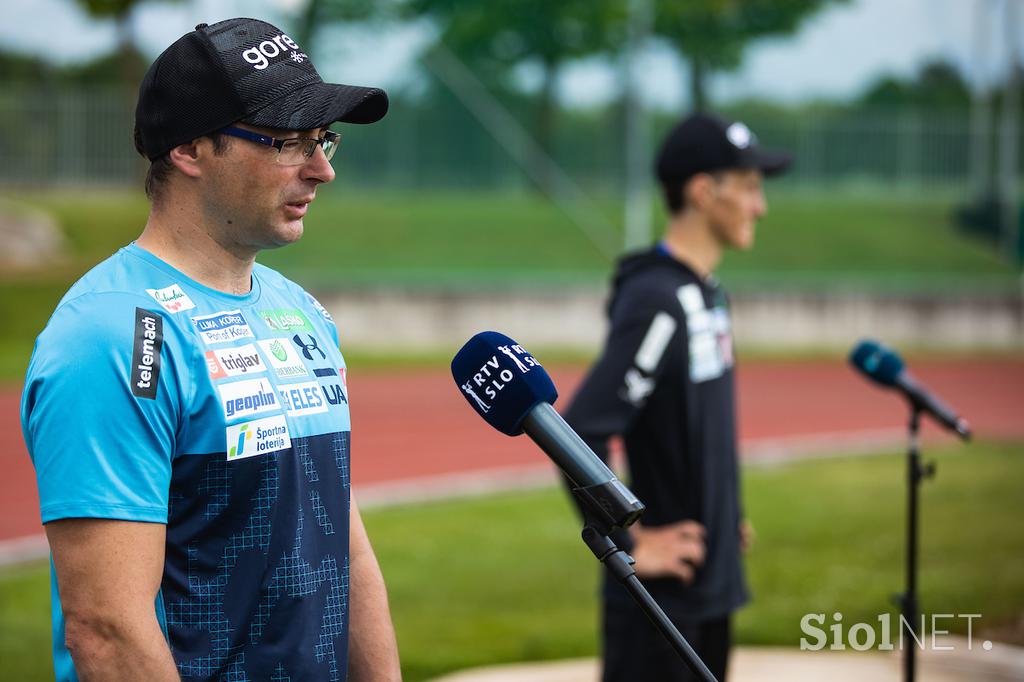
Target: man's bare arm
373	650
108	575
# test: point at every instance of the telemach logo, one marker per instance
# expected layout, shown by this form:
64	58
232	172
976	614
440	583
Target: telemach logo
149	340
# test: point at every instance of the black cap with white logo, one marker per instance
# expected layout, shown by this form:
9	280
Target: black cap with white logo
240	70
705	143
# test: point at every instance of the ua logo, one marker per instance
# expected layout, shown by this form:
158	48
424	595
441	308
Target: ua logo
308	348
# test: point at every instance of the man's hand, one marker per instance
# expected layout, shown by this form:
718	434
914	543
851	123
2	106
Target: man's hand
674	550
747	534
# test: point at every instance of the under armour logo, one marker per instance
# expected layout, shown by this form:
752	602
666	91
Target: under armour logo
308	348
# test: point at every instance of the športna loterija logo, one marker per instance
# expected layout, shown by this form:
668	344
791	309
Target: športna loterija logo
492	378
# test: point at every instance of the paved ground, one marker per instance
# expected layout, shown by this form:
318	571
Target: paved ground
414	436
761	664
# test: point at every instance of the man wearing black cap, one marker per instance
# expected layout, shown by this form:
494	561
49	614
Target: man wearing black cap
664	384
186	409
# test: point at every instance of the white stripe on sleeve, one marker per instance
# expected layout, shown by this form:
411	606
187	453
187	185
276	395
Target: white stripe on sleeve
663	326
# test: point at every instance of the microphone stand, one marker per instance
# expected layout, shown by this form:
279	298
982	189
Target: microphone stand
596	533
916	473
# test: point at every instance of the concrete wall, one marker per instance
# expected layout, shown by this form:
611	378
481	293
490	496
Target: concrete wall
411	320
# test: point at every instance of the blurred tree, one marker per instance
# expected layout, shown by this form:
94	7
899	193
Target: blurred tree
316	13
712	34
132	68
937	86
497	36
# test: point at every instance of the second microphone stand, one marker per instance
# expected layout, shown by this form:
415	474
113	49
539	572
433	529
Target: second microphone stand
917	472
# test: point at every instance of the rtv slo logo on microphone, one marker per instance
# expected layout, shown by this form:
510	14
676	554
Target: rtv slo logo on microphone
492	378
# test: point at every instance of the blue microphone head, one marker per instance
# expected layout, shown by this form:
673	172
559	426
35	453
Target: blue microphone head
880	364
501	380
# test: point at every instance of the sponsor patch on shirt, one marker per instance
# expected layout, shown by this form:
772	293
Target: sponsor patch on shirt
302	399
246	398
286	320
149	341
233	362
283	358
222	327
319	308
172	298
258	437
332	384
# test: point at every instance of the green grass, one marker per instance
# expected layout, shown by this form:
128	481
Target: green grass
494	240
504	578
439	237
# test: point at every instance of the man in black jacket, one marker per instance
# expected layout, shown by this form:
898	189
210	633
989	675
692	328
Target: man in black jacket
664	384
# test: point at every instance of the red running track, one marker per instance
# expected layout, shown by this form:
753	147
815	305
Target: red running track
413	425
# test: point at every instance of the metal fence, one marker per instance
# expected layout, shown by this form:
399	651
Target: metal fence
84	138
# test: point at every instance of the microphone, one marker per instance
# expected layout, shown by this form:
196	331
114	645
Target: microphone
510	389
883	366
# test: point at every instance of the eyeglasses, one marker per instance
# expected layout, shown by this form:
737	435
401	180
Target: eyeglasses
292	151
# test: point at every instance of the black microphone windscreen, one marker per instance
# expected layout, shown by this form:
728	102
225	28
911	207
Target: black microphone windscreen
501	380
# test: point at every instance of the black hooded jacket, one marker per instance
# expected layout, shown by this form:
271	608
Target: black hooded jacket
664	383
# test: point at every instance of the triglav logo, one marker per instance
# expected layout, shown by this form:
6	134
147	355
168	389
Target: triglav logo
233	362
172	298
492	378
261	55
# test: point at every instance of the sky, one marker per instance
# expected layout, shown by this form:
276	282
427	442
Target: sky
837	52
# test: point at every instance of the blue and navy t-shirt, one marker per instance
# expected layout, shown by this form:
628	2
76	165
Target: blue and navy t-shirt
153	398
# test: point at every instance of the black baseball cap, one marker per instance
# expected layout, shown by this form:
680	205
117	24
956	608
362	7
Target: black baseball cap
240	70
705	143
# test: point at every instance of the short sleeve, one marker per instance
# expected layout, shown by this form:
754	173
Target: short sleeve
100	411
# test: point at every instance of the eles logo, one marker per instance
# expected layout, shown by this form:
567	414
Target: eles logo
261	55
302	399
